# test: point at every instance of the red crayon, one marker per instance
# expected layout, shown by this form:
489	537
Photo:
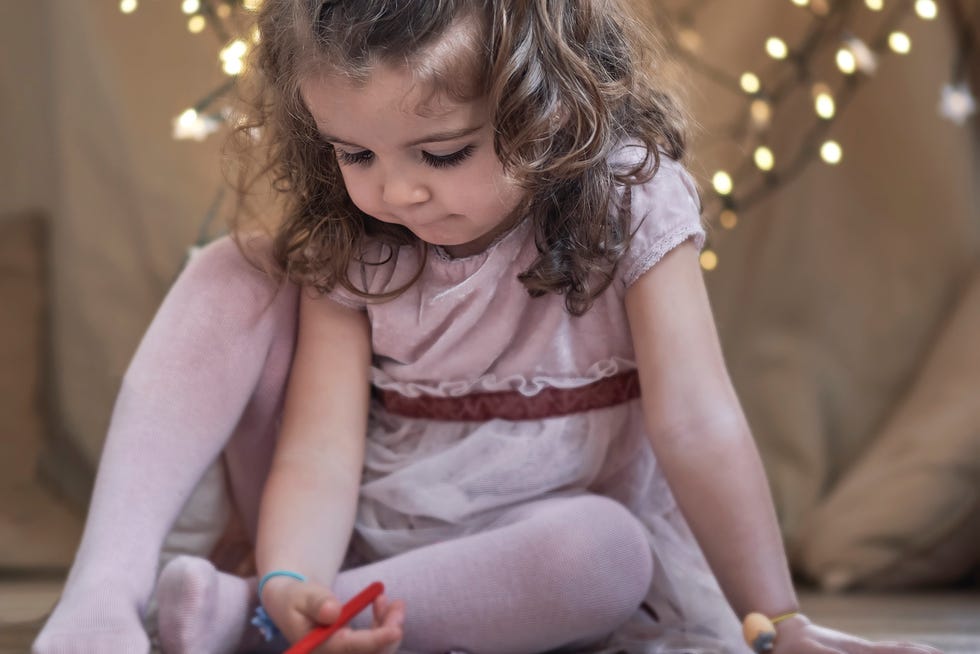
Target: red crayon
360	602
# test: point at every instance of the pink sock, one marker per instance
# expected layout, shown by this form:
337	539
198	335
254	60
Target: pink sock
554	572
211	367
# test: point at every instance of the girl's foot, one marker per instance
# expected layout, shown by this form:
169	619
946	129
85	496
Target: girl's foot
85	624
200	608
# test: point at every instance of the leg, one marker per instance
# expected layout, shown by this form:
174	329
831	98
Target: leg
558	571
201	609
553	572
199	376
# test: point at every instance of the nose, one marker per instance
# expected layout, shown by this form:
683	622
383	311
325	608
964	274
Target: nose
402	190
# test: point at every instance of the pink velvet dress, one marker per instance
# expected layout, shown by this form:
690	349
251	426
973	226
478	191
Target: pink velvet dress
469	326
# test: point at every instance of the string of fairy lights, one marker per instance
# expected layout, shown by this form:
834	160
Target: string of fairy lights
761	97
831	62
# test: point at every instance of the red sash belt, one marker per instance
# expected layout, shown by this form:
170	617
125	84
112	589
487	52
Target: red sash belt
513	405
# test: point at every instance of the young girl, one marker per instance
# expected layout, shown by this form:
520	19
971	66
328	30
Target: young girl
497	249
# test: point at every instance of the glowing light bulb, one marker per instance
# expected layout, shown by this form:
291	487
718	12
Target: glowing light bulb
192	125
256	34
196	24
127	6
761	112
190	6
823	100
899	42
875	5
252	5
234	50
776	47
722	182
233	66
846	61
957	103
926	9
864	57
231	57
750	83
708	259
188	118
831	152
801	3
824	105
728	219
764	158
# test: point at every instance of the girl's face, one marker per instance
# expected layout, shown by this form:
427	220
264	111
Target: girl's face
425	163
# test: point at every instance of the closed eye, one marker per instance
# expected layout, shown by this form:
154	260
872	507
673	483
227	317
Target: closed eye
354	158
447	160
364	157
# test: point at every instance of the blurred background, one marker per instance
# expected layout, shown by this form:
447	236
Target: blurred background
837	148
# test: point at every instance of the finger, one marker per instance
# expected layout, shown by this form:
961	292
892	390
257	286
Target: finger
396	613
379	608
361	641
321	607
857	646
389	611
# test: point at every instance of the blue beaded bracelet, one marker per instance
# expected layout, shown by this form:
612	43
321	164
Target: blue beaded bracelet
261	619
265	625
277	573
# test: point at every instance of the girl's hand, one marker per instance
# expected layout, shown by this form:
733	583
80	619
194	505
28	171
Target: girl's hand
800	636
298	607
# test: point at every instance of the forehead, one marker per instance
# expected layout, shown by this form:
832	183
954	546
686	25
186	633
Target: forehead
389	101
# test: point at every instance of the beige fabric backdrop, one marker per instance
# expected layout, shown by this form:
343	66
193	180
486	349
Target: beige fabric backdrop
125	199
833	294
830	297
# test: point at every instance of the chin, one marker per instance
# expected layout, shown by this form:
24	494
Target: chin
434	237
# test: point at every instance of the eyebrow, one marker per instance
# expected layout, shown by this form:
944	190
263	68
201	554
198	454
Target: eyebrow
431	138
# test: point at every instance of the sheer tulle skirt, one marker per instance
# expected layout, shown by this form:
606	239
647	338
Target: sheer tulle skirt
428	481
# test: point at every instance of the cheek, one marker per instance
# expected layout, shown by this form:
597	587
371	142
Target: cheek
496	190
358	189
506	192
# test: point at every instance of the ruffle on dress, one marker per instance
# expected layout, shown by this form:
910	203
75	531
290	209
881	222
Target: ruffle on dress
525	384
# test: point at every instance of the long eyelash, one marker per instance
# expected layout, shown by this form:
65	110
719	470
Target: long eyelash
448	160
355	158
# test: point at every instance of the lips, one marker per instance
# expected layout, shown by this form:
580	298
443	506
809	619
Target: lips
427	223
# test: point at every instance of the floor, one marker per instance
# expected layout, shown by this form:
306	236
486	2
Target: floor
949	621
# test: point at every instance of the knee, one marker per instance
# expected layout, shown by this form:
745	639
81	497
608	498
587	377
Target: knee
604	552
222	275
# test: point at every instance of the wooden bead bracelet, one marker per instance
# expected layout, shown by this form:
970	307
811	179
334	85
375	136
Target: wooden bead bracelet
760	630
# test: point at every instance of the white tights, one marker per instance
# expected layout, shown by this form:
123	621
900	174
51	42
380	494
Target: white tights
550	573
208	381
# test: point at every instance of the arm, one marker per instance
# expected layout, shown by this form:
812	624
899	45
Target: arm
701	438
309	503
702	441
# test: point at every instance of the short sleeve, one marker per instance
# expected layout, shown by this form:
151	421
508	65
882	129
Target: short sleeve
665	213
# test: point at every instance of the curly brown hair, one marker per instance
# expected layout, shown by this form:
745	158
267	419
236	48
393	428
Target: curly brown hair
568	82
